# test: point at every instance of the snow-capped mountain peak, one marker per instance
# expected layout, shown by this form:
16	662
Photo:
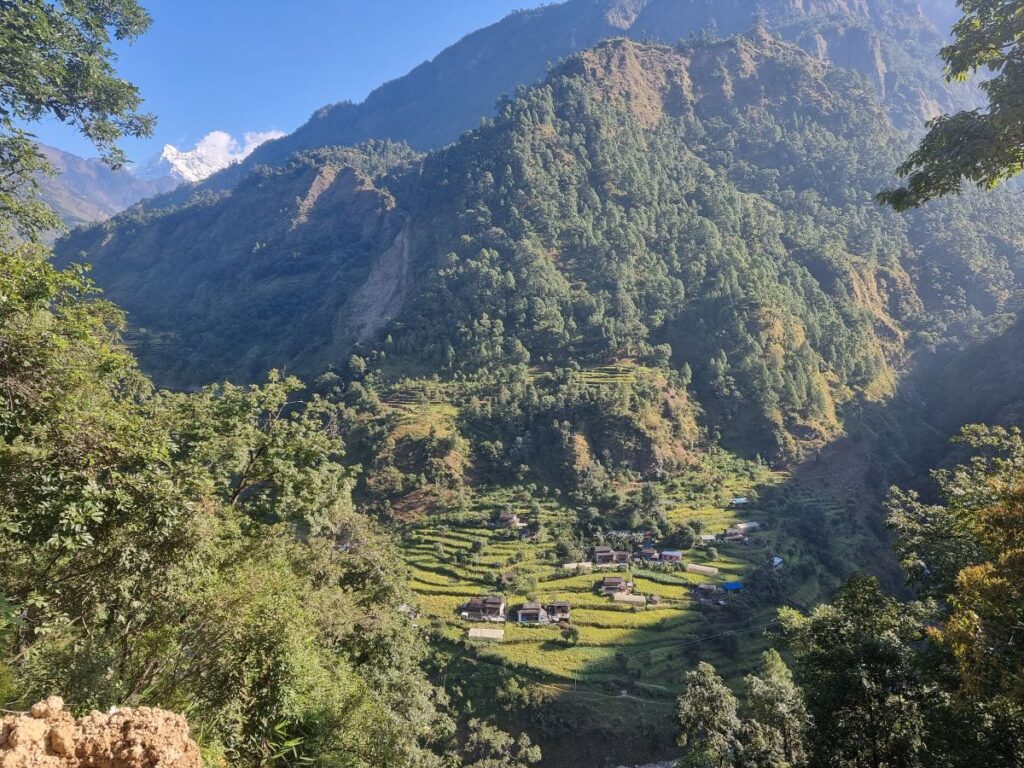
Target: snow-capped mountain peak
215	151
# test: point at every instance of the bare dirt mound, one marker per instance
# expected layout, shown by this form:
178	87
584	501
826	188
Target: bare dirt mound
49	737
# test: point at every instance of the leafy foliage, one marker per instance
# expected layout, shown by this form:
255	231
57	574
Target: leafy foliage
193	551
883	682
708	719
967	550
982	147
56	61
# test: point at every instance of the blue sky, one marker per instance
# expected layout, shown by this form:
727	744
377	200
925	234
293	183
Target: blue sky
260	65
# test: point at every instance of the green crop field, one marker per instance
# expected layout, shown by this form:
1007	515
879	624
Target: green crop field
644	651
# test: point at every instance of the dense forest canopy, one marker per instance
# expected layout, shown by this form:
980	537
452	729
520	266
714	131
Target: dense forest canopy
197	552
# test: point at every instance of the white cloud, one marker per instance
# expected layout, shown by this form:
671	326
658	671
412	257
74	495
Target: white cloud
254	138
221	148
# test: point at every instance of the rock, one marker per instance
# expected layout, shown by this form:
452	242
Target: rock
49	737
62	740
44	709
26	732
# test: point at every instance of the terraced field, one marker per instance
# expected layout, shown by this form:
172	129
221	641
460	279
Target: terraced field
620	649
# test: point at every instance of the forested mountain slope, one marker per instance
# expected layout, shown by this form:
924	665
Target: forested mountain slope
890	41
715	197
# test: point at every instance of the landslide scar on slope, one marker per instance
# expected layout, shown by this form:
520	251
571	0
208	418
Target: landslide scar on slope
383	293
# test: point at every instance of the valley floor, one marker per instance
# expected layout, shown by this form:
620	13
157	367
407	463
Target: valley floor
608	695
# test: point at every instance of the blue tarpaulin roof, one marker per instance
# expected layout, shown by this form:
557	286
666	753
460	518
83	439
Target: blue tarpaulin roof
732	586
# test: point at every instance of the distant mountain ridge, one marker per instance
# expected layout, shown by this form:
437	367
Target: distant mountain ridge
87	191
439	99
894	43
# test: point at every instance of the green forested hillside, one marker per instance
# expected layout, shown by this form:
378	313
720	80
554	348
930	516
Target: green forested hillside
199	552
293	242
709	205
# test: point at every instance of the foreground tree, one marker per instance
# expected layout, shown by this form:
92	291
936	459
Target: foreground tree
489	747
56	61
857	665
771	736
776	703
198	552
969	552
982	147
708	721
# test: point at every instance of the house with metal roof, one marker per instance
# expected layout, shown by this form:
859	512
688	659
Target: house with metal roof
612	585
489	608
532	613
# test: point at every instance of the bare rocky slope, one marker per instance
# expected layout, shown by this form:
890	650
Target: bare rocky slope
50	737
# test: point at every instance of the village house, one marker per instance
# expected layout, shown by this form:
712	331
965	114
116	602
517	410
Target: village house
559	610
533	613
538	613
738	502
671	556
490	608
612	585
776	562
607	556
649	554
742	528
733	586
510	520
